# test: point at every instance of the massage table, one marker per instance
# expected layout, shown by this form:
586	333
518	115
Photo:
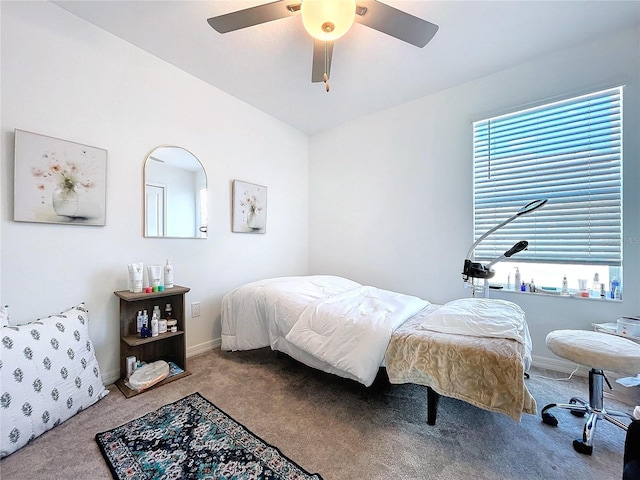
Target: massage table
487	372
295	315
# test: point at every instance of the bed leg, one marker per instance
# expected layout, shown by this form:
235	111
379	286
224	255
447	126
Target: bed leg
432	405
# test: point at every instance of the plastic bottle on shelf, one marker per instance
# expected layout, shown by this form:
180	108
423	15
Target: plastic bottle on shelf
565	286
155	318
144	330
168	311
168	275
518	280
595	286
615	287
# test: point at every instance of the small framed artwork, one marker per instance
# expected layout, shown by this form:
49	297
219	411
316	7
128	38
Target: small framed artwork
57	181
249	212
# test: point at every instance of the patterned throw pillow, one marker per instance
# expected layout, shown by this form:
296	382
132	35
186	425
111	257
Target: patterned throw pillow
48	373
4	316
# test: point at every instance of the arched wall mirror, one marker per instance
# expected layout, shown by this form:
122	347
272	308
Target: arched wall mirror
175	194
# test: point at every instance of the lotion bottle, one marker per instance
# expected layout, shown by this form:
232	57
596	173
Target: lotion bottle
565	286
168	275
139	321
155	316
518	280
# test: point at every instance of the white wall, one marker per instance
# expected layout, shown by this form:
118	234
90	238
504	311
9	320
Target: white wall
388	198
391	194
66	78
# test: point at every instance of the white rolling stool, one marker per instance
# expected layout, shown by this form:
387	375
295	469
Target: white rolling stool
599	351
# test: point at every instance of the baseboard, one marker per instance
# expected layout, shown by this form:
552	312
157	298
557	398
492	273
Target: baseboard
547	363
203	347
110	377
558	365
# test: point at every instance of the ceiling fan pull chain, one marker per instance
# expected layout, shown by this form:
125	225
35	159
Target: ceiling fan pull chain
325	77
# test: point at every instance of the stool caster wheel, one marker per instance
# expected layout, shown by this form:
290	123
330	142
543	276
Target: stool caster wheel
549	419
578	412
580	447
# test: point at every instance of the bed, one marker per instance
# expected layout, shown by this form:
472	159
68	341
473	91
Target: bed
471	349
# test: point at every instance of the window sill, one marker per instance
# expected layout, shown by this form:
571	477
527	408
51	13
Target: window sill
543	293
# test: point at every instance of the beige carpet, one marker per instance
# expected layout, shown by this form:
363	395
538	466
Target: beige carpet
343	430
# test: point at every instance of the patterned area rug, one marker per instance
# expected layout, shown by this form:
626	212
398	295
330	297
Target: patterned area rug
193	439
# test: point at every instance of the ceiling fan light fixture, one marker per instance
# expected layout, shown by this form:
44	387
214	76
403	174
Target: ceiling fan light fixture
328	20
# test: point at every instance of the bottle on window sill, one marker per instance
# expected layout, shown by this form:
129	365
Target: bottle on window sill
615	289
565	286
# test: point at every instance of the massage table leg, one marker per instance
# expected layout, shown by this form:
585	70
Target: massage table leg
432	405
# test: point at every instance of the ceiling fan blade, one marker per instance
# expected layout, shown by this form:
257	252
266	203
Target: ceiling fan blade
396	23
254	16
320	60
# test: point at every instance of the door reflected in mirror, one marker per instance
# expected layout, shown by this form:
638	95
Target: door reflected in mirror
175	194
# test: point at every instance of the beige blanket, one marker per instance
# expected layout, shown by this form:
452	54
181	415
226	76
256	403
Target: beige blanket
485	372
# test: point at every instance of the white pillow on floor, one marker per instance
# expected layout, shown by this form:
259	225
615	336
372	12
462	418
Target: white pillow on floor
48	373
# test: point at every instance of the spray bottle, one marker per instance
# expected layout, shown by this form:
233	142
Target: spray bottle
155	319
595	287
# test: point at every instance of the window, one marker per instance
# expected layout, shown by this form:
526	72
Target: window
569	152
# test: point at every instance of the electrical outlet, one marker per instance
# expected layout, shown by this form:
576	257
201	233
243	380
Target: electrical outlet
195	309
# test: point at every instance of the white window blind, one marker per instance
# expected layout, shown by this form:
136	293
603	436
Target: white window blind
569	152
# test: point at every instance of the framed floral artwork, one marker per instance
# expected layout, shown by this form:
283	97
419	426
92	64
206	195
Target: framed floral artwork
57	181
249	212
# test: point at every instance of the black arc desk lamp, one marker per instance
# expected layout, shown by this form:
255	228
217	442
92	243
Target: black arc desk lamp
473	270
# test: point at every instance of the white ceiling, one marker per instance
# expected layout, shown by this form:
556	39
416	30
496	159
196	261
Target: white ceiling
269	65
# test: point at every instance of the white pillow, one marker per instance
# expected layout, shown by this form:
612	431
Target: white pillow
481	317
48	373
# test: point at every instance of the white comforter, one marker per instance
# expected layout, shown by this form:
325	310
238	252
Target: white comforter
351	331
258	314
342	338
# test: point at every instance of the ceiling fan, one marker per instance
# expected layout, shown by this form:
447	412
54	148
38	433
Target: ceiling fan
328	20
